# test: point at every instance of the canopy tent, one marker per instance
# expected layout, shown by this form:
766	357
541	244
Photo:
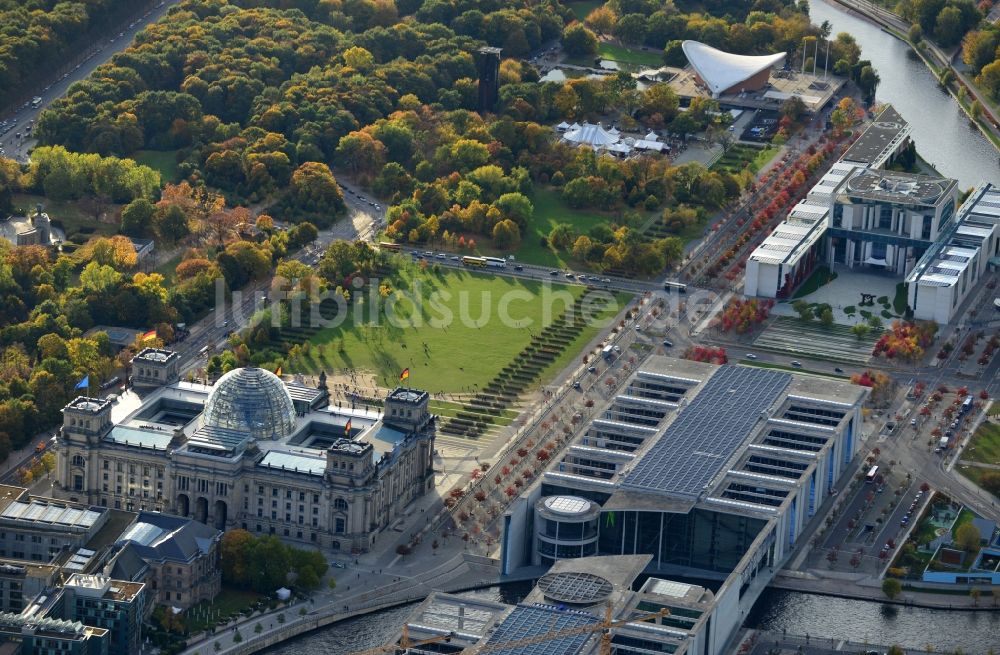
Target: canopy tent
594	136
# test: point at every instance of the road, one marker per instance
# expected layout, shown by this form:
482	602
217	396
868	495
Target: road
235	313
56	87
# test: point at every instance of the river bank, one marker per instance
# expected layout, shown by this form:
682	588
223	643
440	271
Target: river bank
940	128
894	25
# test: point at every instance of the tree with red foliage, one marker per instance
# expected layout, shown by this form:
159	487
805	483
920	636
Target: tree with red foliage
906	340
706	354
984	395
542	455
480	496
510	491
744	315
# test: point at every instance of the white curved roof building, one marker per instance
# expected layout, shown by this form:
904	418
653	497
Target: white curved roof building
726	73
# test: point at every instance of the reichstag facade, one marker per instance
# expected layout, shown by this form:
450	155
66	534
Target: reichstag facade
249	452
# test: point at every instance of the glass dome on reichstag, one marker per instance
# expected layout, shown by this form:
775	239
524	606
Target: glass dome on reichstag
251	400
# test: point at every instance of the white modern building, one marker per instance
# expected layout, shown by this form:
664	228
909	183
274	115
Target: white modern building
861	216
887	220
949	271
725	73
803	240
711	471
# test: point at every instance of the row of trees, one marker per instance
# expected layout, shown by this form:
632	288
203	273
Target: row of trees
41	35
946	21
981	52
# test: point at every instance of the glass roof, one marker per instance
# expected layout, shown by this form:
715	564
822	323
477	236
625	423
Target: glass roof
251	400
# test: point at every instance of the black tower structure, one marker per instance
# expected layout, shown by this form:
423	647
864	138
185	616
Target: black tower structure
489	79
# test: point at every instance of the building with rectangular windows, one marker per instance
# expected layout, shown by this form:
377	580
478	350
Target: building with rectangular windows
39	529
861	216
252	452
950	269
887	220
178	557
21	582
712	471
40	635
118	606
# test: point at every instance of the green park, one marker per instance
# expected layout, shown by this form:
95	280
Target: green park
457	336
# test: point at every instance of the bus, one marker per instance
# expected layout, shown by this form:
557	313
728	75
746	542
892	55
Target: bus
388	245
496	262
477	262
872	474
674	286
967	404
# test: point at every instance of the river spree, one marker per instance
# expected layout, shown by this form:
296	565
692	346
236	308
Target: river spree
818	616
879	623
941	131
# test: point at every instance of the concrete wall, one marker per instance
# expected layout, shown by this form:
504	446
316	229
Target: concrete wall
761	279
932	303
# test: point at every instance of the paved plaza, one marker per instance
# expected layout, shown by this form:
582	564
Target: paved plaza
845	293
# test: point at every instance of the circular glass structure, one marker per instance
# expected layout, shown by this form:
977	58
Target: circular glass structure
251	400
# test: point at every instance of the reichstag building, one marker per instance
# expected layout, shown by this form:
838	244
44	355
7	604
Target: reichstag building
250	451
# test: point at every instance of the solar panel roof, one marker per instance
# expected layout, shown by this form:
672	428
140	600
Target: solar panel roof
526	621
695	447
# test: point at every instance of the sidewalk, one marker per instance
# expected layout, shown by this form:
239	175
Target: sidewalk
867	588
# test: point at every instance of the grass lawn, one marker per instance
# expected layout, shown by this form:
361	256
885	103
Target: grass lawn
471	346
994	409
626	55
584	7
68	215
227	603
162	161
985	445
819	277
549	211
741	155
167	268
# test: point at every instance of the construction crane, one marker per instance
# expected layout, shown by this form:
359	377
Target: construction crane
604	627
404	644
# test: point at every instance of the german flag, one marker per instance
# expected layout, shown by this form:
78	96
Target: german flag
347	428
149	336
404	375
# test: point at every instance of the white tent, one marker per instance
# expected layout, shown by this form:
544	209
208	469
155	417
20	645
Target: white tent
594	136
652	136
283	593
724	70
562	127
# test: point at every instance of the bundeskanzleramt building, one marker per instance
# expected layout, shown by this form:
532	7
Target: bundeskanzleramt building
251	452
949	271
712	471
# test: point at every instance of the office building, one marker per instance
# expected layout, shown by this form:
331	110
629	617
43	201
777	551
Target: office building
950	270
712	471
179	558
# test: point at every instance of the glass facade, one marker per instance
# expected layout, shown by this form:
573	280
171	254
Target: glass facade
702	539
251	400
